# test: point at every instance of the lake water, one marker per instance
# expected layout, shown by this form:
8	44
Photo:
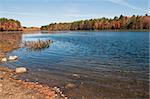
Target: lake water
111	65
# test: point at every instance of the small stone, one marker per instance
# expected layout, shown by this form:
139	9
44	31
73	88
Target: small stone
1	85
56	95
13	57
85	76
54	88
62	95
70	85
3	59
76	75
27	80
57	90
21	70
36	79
66	98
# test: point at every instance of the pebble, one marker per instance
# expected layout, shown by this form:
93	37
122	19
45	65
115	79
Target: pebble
81	83
54	88
76	75
36	82
57	89
66	98
85	76
27	80
56	95
70	85
1	85
62	95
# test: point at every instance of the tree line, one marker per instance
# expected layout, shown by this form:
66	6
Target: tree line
9	24
121	22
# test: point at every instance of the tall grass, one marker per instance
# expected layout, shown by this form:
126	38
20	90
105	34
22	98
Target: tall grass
37	45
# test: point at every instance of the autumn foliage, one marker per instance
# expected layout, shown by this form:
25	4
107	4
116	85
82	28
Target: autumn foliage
9	25
122	22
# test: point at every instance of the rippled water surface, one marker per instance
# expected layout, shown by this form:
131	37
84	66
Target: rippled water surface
109	64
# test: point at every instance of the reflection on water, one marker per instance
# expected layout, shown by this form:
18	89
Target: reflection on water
110	64
14	38
9	42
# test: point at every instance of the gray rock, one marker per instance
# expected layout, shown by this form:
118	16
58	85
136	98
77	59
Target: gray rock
13	57
3	59
21	70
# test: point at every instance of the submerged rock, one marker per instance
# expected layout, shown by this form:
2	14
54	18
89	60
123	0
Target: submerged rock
70	85
21	70
76	75
13	57
3	59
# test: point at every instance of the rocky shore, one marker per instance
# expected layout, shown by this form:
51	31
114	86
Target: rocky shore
12	88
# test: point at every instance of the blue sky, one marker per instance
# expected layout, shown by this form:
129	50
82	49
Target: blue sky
43	12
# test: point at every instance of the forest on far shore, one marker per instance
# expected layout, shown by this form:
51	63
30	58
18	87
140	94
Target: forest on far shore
9	25
117	23
121	22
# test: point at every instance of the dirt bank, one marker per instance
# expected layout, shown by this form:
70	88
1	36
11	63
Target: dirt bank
11	88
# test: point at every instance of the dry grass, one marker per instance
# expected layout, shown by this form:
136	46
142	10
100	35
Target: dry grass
37	45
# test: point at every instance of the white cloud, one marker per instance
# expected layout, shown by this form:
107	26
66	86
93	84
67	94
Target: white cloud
13	13
124	3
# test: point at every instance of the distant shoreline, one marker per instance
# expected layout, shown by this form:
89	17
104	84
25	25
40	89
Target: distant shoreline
119	30
121	23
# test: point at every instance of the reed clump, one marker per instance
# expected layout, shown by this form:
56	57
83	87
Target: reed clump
37	45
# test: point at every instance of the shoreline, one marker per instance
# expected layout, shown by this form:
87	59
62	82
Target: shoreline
115	30
22	88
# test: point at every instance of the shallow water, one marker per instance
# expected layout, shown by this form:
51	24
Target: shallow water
110	64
